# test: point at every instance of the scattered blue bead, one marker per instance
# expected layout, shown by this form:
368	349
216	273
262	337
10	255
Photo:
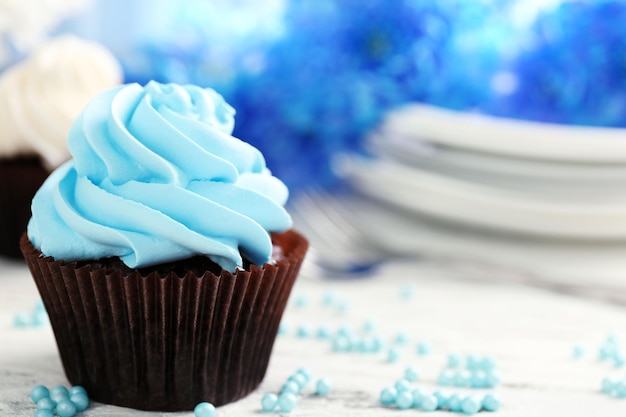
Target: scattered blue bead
329	298
341	343
65	408
462	379
80	400
323	387
77	389
619	389
59	393
287	402
442	399
388	396
303	331
302	301
429	403
402	385
46	404
324	332
488	364
424	348
470	405
44	413
491	402
418	394
608	385
283	328
299	379
473	362
407	292
493	379
204	409
21	320
578	351
478	379
369	325
411	374
306	373
404	400
454	403
402	338
454	360
39	392
269	402
290	387
393	354
446	378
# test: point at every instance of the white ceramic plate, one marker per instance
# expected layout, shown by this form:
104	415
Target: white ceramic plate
479	205
514	138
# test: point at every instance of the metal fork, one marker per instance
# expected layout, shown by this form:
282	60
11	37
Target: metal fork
337	246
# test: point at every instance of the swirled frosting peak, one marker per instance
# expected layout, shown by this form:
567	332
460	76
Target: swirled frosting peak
157	176
41	96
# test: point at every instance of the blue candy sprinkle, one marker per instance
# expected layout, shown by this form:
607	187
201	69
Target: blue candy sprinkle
578	351
442	399
283	328
388	395
608	385
204	409
429	403
402	338
302	301
424	348
492	380
491	402
454	403
304	331
21	320
324	332
478	379
59	393
473	362
454	360
323	387
446	378
462	379
39	392
77	389
299	379
407	292
402	385
470	405
619	389
46	404
80	400
404	400
306	373
269	402
411	374
369	325
290	387
65	408
341	343
287	402
43	413
418	394
393	354
488	363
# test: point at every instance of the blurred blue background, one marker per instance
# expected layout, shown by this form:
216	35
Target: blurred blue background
310	78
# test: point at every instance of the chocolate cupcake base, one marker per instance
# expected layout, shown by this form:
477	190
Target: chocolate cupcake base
164	341
20	178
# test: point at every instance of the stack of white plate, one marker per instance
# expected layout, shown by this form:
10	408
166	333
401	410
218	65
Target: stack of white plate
547	199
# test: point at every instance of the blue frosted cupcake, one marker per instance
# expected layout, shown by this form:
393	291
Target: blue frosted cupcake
162	251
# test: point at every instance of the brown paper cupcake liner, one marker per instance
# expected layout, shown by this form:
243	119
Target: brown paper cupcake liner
20	178
165	342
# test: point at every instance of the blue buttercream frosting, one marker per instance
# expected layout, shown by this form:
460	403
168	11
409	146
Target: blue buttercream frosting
156	176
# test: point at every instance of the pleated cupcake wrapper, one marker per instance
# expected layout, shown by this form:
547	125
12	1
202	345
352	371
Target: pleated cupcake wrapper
19	181
165	343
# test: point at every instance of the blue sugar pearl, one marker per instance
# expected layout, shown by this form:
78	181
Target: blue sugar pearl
454	360
290	387
329	298
369	325
493	379
619	390
39	392
470	405
65	408
299	379
418	394
402	385
81	401
324	332
393	354
301	300
442	399
323	387
21	320
462	378
404	400
608	385
429	403
488	363
303	331
306	373
204	409
454	403
46	404
269	402
341	343
388	395
287	402
491	402
59	393
283	328
402	338
473	362
424	348
578	351
44	413
77	389
407	292
478	379
378	342
411	374
446	378
343	306
619	360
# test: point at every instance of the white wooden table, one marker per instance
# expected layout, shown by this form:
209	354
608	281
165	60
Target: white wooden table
531	333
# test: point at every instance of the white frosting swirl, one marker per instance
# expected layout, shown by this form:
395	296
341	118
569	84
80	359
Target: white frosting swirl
41	97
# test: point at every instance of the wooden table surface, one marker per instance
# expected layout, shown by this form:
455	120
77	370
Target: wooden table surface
529	331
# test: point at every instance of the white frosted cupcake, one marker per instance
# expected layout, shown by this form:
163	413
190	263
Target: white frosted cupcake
39	100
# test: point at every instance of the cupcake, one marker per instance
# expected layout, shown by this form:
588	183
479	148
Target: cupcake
162	251
39	100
